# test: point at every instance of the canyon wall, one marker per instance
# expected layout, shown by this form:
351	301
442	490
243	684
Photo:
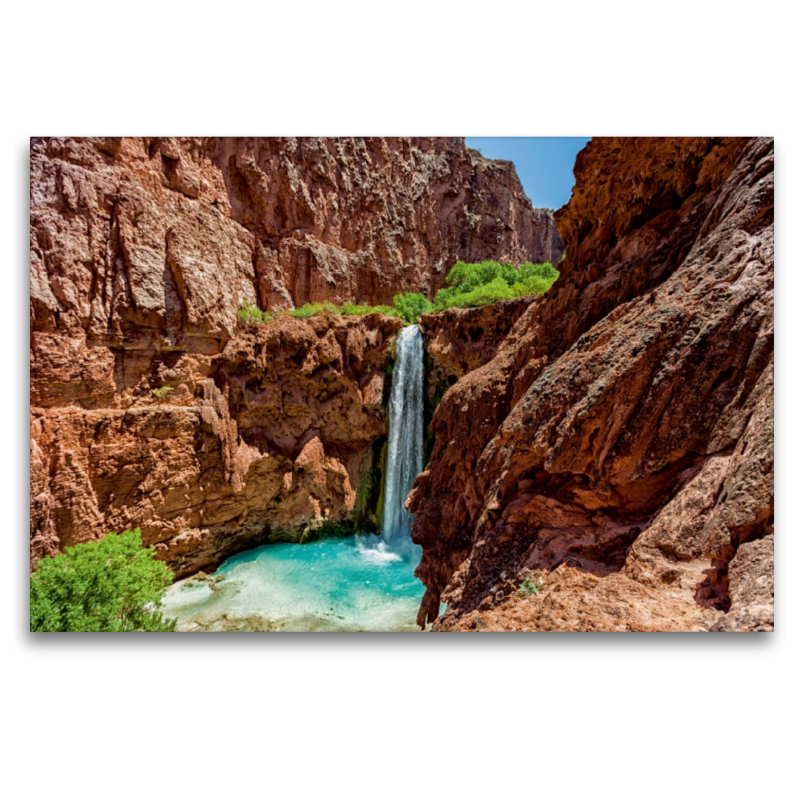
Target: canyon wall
459	340
259	443
608	463
143	250
168	234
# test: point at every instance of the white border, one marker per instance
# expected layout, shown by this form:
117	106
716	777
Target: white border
602	716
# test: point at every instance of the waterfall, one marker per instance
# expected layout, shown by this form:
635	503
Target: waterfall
404	455
404	452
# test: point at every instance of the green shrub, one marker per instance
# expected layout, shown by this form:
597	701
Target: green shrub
250	313
113	584
465	277
353	310
410	305
470	285
309	309
491	292
546	272
162	392
346	310
406	306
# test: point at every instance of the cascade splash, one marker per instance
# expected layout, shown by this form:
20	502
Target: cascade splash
362	583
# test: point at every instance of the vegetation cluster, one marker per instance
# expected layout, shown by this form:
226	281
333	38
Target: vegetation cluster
468	285
252	313
112	584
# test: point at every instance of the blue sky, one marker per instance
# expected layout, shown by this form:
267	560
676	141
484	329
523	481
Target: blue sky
544	164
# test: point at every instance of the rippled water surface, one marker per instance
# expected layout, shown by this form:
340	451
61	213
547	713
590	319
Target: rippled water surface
354	584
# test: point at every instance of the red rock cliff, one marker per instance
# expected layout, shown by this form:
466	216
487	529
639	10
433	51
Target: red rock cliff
257	443
142	251
611	467
169	234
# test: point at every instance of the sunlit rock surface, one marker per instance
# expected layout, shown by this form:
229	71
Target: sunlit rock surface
259	442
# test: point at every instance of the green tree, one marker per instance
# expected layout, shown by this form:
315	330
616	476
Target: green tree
489	281
112	584
490	292
546	272
410	305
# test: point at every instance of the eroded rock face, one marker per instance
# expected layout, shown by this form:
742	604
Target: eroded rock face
257	443
142	252
611	468
137	238
460	340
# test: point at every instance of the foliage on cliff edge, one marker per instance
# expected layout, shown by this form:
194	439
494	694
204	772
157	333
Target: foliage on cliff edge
471	285
468	285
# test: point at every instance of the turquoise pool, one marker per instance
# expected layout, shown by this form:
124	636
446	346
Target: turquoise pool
354	584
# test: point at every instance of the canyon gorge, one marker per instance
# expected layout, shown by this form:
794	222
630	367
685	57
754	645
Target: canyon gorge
598	458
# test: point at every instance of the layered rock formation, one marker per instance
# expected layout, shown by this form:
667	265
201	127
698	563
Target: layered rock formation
143	250
611	467
603	458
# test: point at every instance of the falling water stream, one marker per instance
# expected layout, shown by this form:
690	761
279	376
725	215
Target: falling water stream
404	452
364	583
